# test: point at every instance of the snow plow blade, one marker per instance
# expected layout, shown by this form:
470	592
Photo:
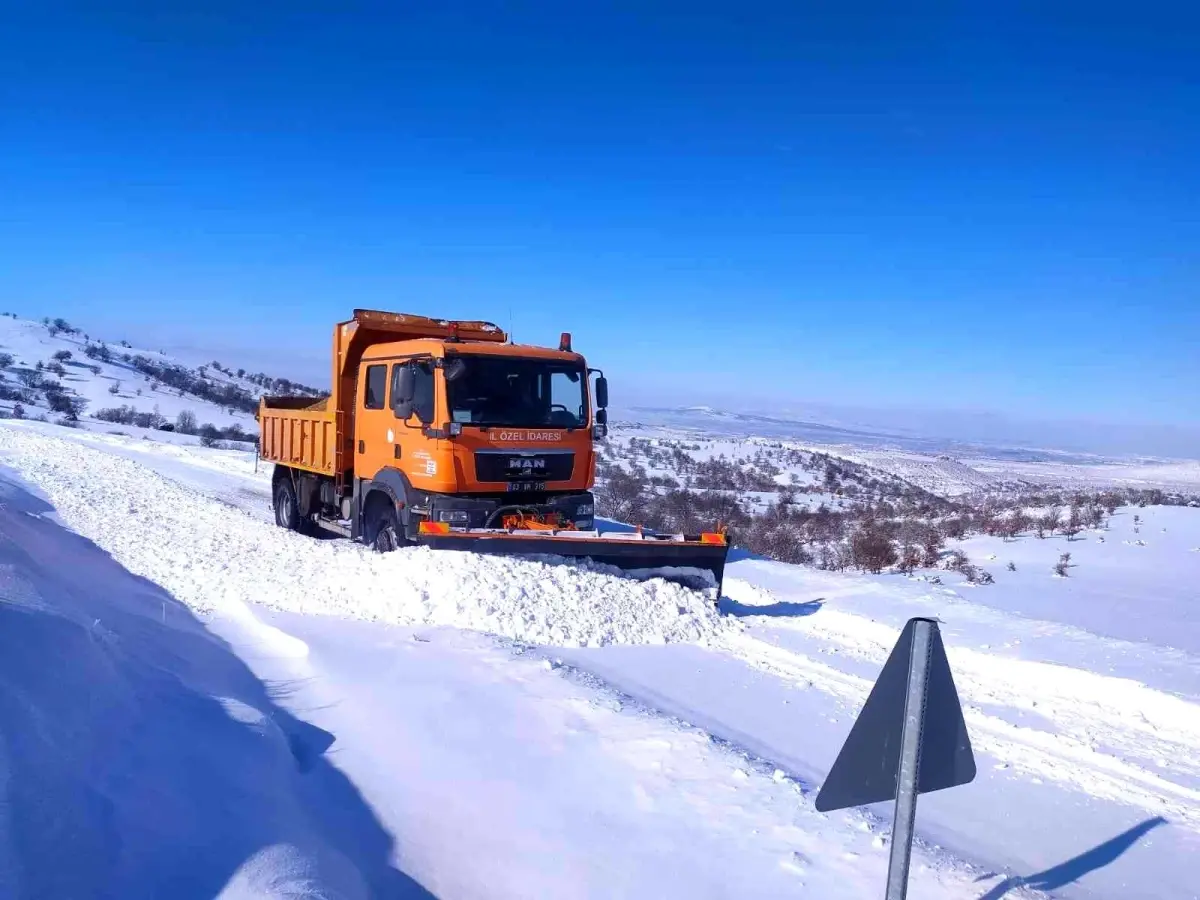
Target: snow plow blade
693	560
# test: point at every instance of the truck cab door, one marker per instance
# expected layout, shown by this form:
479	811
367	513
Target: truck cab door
416	453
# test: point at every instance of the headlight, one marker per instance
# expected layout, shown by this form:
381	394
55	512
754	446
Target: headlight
454	516
585	509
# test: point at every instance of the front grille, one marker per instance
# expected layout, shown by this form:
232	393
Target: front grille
499	466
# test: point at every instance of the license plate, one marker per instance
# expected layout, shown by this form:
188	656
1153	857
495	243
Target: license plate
526	486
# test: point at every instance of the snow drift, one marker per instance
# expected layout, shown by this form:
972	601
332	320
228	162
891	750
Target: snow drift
211	557
140	757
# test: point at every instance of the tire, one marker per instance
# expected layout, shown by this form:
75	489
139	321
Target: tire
287	512
384	535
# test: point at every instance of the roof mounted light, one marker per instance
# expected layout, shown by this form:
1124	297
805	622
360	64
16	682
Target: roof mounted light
564	342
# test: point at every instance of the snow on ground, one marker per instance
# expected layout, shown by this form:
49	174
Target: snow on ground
971	471
140	757
1132	581
1082	696
212	558
937	474
1181	474
387	761
1081	735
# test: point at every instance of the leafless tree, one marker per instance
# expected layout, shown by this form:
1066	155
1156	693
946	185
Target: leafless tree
1062	567
1074	523
1051	519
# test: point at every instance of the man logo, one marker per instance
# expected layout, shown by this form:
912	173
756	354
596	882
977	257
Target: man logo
522	464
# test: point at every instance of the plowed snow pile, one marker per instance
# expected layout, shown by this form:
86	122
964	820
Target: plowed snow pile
214	558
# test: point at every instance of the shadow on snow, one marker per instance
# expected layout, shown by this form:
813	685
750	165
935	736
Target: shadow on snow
780	608
140	757
1077	866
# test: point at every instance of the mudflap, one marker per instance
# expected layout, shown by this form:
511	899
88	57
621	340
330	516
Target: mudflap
688	561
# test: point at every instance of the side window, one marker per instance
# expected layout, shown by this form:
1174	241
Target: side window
423	396
423	388
376	383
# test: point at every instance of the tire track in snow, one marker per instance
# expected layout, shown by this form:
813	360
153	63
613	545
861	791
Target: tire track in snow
1078	754
1036	753
1120	715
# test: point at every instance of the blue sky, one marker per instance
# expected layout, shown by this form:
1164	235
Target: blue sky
751	203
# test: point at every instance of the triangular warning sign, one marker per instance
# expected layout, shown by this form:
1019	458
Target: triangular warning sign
867	769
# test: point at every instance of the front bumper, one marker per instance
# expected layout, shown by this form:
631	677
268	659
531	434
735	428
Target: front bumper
486	512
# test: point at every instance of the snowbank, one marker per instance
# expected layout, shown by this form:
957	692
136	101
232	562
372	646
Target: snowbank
139	757
213	557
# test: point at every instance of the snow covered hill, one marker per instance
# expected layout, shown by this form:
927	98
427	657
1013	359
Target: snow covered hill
52	369
946	468
513	728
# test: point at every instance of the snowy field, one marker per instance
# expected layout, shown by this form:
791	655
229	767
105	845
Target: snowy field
943	469
310	719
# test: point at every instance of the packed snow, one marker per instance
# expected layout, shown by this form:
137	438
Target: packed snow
571	733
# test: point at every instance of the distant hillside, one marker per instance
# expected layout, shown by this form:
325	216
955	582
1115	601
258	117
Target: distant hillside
53	370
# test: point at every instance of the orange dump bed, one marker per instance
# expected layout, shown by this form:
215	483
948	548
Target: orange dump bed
298	432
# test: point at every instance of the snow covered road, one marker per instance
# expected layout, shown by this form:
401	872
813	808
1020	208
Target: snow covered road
674	752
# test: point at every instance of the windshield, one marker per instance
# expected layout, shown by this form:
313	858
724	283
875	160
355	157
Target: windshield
522	393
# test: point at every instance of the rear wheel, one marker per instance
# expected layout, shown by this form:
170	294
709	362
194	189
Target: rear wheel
287	513
384	534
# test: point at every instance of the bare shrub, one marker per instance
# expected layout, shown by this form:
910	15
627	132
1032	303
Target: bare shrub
872	549
910	558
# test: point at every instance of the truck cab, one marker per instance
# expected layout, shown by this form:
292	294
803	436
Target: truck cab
465	433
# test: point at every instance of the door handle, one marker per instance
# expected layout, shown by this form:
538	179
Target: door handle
362	446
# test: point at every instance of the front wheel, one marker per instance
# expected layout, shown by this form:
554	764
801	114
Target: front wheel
385	530
287	513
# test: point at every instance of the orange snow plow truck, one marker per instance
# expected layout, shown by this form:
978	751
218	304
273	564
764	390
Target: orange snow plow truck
444	433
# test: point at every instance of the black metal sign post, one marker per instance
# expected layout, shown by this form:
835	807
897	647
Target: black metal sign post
910	738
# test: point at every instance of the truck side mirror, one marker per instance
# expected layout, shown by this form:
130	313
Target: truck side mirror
404	388
601	392
602	416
